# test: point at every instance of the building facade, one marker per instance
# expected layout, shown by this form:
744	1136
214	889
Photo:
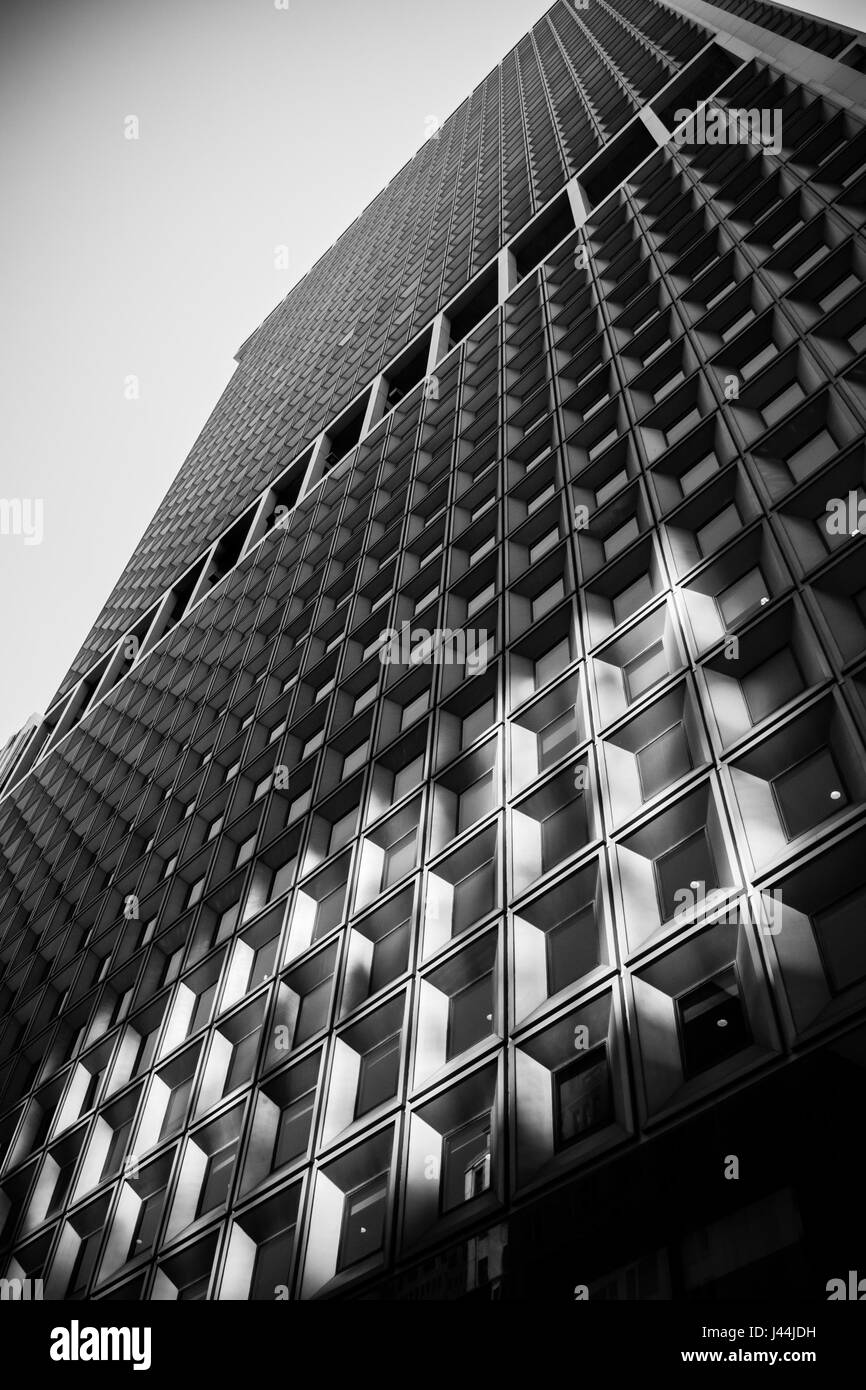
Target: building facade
442	873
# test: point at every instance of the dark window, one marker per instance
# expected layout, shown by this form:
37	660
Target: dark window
663	760
809	792
390	956
773	683
146	1223
116	1150
243	1060
363	1221
176	1109
743	596
470	1015
273	1262
712	1023
582	1097
85	1263
313	1013
645	669
556	738
217	1178
467	1162
691	861
572	949
841	932
293	1130
377	1078
195	1290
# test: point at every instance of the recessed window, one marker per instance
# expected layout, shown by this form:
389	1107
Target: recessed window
721	528
746	594
363	1222
356	758
414	709
582	1097
542	546
644	670
772	684
631	598
390	956
293	1130
245	851
313	1013
712	1023
215	827
146	1223
621	537
681	427
243	1060
571	949
478	601
611	487
313	742
663	760
684	867
540	498
170	866
272	1266
778	406
176	1109
217	1179
467	1163
810	791
475	801
399	859
552	663
556	738
840	932
377	1076
470	1015
698	473
261	787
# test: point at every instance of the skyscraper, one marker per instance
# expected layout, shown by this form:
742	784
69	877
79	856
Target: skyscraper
442	871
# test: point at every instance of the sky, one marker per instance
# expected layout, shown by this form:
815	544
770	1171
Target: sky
133	268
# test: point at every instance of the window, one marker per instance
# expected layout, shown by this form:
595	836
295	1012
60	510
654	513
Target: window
556	738
667	386
611	487
475	801
772	684
552	663
243	1060
315	741
477	721
408	778
571	949
217	1178
630	599
758	360
664	759
355	759
194	1290
474	896
176	1109
146	1223
313	1013
644	670
621	537
399	859
540	498
712	1023
390	956
363	1222
293	1130
342	830
541	547
690	862
272	1266
840	291
777	407
681	427
365	698
203	1005
470	1015
61	1184
477	601
743	596
116	1150
839	929
698	473
582	1100
262	787
85	1263
810	791
215	827
467	1163
195	892
414	709
377	1077
719	529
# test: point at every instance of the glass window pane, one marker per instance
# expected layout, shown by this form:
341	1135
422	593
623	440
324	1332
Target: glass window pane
470	1015
712	1023
377	1079
645	669
363	1222
467	1163
809	792
582	1097
689	862
663	760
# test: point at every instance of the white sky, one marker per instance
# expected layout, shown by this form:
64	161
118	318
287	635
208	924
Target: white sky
258	127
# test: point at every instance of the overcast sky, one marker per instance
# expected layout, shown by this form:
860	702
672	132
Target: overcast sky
155	258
